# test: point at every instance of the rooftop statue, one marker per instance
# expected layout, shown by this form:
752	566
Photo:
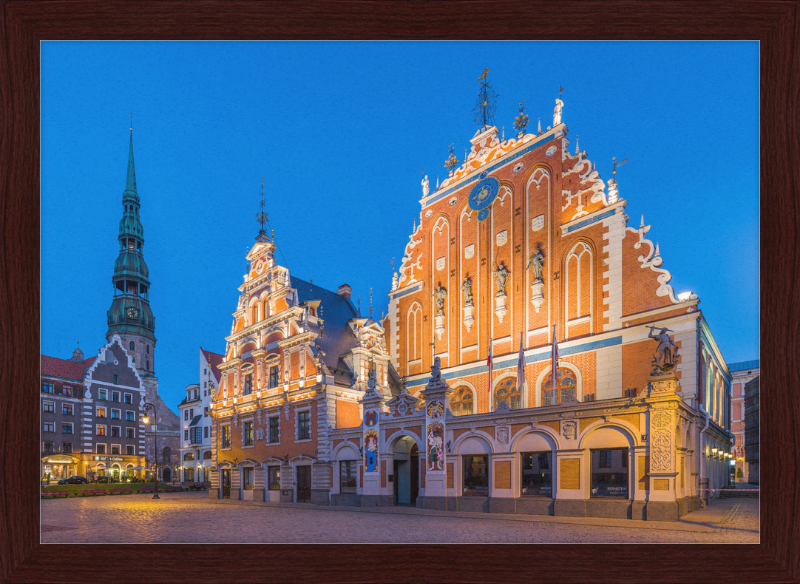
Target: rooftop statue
557	112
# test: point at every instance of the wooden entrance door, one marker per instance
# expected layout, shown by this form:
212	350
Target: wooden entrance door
226	483
303	484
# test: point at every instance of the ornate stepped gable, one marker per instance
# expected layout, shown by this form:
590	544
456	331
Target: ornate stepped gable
523	236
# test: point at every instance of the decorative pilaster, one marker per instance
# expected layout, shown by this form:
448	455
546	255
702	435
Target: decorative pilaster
662	475
372	404
436	395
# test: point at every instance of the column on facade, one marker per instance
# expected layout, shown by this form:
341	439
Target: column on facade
258	375
437	398
373	448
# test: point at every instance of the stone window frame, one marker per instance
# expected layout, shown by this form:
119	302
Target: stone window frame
269	434
52	405
130	430
127	398
119	413
102	394
251	420
119	449
65	405
461	385
115	393
625	463
65	425
130	419
97	429
45	426
222	435
551	464
129	448
297	412
97	445
48	446
97	412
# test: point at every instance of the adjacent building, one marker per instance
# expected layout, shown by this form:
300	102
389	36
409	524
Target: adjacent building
534	359
741	373
101	401
751	414
196	447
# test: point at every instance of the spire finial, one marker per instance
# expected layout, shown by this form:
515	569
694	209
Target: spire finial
131	128
521	121
487	102
262	217
359	306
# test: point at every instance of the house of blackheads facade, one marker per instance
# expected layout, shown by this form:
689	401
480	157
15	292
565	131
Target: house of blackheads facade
534	359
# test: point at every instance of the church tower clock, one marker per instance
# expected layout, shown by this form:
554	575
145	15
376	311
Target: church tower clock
130	316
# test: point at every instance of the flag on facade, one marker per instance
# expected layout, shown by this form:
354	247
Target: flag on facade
489	364
521	366
554	357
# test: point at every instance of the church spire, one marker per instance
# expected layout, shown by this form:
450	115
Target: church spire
130	181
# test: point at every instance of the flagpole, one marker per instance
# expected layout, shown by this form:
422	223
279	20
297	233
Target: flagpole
554	366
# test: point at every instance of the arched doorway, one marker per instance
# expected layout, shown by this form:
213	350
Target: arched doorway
167	475
406	471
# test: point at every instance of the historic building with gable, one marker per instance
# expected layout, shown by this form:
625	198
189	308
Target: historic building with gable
523	259
110	390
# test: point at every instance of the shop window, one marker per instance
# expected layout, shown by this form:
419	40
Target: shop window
537	477
348	476
247	437
273	376
225	439
49	426
67	409
66	447
49	407
566	383
101	448
274	430
48	388
248	477
115	449
101	430
461	402
507	391
303	425
274	478
130	450
476	475
66	428
115	396
610	473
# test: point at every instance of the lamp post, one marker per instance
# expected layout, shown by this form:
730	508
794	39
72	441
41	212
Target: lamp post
146	420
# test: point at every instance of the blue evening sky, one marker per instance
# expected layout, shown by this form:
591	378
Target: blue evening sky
340	132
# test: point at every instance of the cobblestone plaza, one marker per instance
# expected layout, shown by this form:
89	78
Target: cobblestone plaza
189	517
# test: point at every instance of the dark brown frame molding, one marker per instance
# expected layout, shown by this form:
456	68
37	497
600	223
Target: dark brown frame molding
23	24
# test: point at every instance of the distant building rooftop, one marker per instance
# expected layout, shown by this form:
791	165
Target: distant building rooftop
743	366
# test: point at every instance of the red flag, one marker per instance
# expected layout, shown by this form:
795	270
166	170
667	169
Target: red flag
489	364
554	357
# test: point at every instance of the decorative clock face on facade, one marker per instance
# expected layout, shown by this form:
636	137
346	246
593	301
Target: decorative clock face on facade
482	196
132	312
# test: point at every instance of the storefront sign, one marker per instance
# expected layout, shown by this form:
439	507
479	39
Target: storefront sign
57	459
112	458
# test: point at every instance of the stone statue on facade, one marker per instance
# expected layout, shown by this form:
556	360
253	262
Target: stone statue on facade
501	273
436	373
667	350
557	112
466	288
355	380
371	381
438	299
537	262
425	186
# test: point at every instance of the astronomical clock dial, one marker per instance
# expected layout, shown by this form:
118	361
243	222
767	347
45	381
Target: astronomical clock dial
132	312
482	196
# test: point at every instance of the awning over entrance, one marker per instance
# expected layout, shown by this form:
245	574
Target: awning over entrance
195	421
59	459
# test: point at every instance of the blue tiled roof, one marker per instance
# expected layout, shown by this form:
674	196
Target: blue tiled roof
743	366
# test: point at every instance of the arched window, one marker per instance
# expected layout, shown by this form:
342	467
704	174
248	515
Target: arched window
461	402
265	308
166	455
578	280
507	391
566	383
133	346
206	455
254	313
414	333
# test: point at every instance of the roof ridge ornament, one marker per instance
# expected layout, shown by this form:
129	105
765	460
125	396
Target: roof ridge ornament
487	102
262	217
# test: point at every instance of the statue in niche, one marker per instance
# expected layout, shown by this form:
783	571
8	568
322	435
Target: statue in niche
436	373
537	262
425	186
355	380
466	288
438	299
371	380
557	112
501	273
667	355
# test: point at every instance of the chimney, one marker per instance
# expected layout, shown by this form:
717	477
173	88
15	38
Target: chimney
344	290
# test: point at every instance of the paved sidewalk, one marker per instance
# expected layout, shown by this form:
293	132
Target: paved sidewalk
185	517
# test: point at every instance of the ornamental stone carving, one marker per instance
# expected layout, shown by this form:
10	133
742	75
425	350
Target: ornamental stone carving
569	429
502	435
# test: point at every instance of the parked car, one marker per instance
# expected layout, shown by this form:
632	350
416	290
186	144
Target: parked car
76	480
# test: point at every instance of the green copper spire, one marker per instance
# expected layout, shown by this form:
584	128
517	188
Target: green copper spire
130	315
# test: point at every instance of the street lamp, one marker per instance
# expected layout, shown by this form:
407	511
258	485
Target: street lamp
146	420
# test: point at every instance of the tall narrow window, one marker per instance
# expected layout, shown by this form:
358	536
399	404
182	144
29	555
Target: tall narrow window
247	437
248	384
414	333
273	376
225	439
578	278
254	313
304	425
348	476
132	346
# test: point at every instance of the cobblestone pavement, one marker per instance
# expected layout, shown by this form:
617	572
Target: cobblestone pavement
194	518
